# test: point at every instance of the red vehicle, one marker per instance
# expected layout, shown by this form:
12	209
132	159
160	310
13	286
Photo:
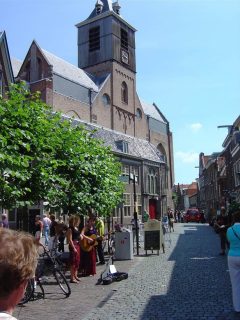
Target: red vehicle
192	215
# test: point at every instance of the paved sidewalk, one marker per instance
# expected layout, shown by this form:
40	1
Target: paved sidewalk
190	281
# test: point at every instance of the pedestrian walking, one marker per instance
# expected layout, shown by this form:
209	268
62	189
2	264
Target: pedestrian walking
53	233
171	220
61	234
233	236
221	226
18	261
38	228
134	231
46	228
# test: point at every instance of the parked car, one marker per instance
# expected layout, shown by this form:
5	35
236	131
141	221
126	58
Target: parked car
192	215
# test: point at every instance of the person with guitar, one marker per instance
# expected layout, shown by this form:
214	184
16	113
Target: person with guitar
88	251
73	239
222	224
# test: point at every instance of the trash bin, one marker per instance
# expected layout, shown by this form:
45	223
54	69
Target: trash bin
124	245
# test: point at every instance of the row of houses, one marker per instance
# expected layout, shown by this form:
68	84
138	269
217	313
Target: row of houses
101	93
219	175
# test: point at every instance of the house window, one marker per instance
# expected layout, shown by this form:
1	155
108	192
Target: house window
152	182
127	204
28	72
106	100
139	204
122	146
124	39
125	173
94	39
135	171
40	71
124	92
138	114
237	173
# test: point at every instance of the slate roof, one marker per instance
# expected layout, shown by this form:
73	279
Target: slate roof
142	149
151	110
69	71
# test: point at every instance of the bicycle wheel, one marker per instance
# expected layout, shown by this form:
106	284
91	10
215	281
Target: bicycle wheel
62	282
28	292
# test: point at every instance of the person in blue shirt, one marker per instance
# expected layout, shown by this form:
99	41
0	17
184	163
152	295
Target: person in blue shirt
233	236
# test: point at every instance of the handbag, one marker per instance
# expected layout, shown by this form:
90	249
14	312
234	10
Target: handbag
235	233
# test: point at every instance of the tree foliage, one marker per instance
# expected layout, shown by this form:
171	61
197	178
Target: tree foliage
43	157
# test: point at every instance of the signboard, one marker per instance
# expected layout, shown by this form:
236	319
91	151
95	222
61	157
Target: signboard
153	235
152	240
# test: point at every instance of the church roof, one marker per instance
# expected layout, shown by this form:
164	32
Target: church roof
69	71
6	57
138	148
152	111
107	6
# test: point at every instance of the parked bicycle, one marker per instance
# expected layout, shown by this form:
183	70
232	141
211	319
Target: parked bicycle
48	270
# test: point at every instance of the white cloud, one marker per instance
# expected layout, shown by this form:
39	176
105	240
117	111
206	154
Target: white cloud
187	157
195	127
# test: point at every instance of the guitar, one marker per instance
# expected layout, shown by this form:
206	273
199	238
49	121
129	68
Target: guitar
89	242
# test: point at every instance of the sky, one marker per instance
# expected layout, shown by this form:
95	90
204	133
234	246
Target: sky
188	60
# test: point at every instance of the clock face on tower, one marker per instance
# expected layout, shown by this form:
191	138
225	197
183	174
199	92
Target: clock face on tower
124	56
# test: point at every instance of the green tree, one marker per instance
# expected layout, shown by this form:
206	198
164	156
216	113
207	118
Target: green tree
87	173
43	157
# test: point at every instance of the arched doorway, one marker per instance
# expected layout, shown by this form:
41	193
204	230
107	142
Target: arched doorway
152	208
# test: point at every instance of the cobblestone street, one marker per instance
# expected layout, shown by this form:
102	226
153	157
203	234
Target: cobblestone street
190	281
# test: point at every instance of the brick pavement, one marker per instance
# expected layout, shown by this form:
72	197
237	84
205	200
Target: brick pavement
190	281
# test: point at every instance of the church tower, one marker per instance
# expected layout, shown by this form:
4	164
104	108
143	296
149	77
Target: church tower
106	45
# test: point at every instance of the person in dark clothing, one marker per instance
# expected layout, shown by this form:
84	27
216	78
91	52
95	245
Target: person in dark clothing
74	237
222	224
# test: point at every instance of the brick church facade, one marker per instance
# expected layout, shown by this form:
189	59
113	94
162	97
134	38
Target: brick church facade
101	92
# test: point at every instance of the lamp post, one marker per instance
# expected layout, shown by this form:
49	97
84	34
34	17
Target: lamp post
133	178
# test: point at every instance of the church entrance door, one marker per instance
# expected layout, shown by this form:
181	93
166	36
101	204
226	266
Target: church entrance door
152	208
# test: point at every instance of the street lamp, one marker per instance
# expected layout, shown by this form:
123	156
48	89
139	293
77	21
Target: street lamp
133	178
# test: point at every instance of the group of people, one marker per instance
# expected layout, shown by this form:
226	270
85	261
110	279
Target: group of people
85	244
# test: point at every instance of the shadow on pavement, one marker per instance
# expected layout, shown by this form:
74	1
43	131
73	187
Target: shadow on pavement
199	286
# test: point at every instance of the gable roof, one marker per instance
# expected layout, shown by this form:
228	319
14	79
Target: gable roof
69	71
6	57
137	148
152	111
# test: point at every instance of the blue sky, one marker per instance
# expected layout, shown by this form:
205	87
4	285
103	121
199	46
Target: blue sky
188	60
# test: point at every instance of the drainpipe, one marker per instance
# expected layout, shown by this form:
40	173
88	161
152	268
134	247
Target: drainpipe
90	91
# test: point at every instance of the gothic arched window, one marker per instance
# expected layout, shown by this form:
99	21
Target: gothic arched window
124	92
40	70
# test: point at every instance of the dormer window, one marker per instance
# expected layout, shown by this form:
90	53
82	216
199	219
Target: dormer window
122	146
116	7
99	7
